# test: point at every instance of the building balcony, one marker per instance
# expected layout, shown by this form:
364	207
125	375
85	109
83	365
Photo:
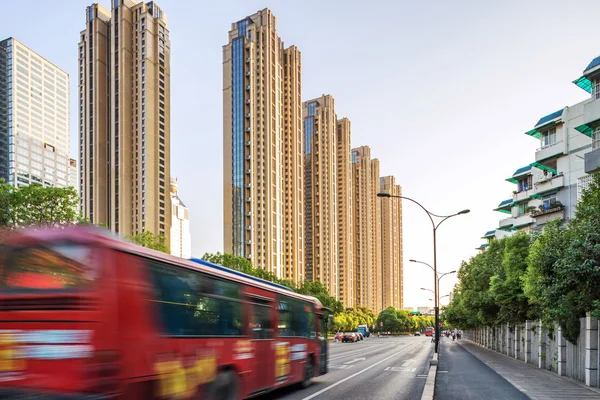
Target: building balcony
248	143
248	101
248	73
248	228
248	87
248	129
551	151
550	214
248	115
522	195
548	184
513	223
248	157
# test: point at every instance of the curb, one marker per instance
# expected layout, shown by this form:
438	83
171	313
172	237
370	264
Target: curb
429	389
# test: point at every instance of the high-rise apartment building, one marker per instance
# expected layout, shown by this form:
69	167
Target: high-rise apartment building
34	118
346	272
365	176
391	244
124	118
320	192
262	148
181	239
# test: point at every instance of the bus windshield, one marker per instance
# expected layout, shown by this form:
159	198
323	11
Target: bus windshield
54	267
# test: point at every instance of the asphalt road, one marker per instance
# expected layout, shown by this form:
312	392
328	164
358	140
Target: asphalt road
462	376
377	368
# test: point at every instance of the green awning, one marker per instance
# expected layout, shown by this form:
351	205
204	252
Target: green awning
585	129
523	171
584	83
505	206
543	167
506	228
482	247
489	234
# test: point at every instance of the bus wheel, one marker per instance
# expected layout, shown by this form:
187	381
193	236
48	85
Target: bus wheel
227	386
309	373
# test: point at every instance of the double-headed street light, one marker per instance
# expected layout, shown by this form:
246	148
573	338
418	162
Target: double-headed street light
434	226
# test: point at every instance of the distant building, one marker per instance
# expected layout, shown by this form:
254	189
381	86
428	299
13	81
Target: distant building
181	240
34	118
391	244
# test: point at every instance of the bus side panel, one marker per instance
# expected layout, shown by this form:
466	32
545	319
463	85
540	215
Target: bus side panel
138	327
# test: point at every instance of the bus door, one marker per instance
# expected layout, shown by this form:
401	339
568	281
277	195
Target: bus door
261	333
322	338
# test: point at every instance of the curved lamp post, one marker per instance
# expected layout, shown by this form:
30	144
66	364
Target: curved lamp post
434	226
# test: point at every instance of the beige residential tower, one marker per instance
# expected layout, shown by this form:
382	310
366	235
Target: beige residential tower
262	148
124	102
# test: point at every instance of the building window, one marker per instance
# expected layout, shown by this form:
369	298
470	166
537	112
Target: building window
549	201
524	183
522	208
548	137
596	138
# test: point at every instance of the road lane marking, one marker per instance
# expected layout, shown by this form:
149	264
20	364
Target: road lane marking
312	396
355	360
407	363
337	366
400	369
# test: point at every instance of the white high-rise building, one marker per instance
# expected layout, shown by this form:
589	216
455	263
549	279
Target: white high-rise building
181	239
34	118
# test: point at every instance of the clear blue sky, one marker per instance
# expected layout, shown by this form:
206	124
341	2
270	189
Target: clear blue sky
441	94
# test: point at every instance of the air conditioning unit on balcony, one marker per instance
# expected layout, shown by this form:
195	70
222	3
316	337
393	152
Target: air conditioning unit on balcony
248	129
248	157
248	241
249	214
248	73
248	143
248	185
248	228
249	255
249	199
248	87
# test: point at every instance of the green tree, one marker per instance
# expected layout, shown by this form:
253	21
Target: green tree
35	205
507	283
151	241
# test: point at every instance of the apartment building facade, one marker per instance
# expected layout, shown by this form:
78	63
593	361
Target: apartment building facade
320	193
34	119
391	244
124	118
263	160
345	210
549	187
366	222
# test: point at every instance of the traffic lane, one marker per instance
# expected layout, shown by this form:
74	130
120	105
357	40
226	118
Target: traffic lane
399	375
343	360
346	361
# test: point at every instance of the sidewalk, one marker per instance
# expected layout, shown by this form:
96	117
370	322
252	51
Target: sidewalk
530	380
462	376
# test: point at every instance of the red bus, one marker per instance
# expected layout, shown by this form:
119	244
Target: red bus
429	331
88	316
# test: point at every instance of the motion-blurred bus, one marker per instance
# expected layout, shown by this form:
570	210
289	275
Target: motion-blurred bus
429	331
87	316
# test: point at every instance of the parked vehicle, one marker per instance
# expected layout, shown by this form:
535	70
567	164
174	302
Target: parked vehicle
417	333
338	336
360	336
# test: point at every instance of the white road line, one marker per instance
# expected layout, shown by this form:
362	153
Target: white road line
312	396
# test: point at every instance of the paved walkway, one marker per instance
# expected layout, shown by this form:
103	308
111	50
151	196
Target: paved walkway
462	376
536	383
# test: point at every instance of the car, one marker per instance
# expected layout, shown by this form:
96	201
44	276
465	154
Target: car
360	336
349	337
338	336
417	333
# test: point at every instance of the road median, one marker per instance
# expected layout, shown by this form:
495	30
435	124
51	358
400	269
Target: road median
429	390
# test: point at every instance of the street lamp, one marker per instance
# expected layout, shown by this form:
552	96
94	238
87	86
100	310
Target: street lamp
434	227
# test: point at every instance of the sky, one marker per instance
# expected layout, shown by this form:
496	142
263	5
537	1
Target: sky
442	92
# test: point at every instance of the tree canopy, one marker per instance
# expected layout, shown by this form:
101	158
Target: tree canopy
35	205
552	275
151	241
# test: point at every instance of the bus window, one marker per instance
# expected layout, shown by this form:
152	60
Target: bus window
193	304
260	322
56	267
296	318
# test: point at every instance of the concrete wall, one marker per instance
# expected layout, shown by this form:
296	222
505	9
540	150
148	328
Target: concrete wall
546	347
